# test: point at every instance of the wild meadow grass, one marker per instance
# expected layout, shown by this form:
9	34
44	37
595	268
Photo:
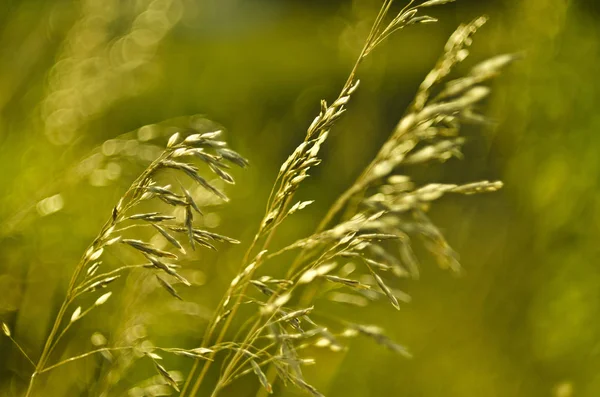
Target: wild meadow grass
355	255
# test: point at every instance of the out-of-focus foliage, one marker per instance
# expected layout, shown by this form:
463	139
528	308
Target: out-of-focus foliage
521	321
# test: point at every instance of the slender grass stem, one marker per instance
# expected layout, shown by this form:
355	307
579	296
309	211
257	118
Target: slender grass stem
84	355
22	351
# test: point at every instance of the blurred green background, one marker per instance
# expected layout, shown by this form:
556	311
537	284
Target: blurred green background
522	321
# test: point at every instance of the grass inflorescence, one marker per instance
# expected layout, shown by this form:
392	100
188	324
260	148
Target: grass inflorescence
355	254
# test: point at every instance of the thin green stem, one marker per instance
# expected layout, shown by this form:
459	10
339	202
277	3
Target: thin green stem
21	350
84	355
66	328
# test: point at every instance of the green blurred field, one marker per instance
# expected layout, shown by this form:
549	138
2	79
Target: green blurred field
523	319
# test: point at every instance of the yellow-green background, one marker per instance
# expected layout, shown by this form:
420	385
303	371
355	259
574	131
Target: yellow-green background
524	318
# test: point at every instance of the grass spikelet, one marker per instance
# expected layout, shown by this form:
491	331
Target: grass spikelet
164	374
261	377
347	282
6	330
168	287
169	238
146	248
